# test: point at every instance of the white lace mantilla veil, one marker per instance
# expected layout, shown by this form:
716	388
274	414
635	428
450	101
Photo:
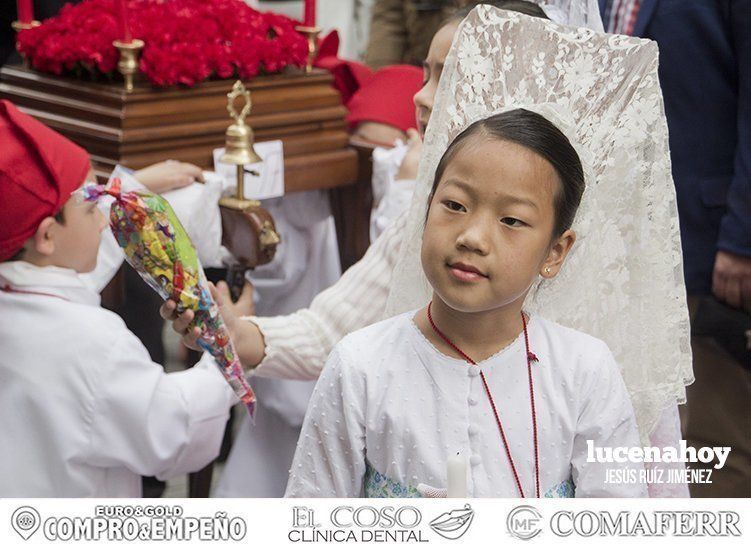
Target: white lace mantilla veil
622	281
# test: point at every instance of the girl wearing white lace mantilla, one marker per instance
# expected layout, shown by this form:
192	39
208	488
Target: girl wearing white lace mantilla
623	280
523	398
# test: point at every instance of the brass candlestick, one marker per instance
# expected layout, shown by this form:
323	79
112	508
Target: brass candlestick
128	63
311	33
238	149
18	26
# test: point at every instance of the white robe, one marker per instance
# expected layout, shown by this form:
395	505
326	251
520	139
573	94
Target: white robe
391	197
389	409
307	262
351	18
85	410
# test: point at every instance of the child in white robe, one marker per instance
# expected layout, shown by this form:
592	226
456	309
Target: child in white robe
85	410
398	398
305	263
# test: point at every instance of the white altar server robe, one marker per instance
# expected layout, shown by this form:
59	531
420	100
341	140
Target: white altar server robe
307	261
389	409
391	196
84	410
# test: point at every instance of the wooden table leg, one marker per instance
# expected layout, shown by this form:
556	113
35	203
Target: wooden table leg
351	206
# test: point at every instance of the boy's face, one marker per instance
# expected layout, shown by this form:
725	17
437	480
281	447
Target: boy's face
76	240
432	68
489	226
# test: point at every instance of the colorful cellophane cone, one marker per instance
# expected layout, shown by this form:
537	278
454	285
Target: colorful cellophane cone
158	248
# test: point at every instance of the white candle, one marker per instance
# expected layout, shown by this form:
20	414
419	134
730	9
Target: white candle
456	471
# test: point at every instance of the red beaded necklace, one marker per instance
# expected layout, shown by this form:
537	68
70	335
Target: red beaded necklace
530	358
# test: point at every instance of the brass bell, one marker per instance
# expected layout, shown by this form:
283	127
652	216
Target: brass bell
239	136
239	143
248	230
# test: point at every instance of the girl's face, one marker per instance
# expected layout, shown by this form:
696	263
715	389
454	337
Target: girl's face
489	226
432	68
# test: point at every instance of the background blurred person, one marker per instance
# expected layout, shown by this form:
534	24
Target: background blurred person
705	74
401	30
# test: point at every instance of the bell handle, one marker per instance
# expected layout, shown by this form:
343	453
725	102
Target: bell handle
238	90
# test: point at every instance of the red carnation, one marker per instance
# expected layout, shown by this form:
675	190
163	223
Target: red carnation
186	41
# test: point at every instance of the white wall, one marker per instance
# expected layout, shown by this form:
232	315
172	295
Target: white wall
350	17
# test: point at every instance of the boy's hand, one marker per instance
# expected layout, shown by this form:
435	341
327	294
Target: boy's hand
168	175
408	168
181	323
230	312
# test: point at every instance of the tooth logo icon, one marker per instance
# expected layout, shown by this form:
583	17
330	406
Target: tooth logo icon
452	525
25	521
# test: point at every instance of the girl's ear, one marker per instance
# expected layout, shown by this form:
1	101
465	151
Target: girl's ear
557	254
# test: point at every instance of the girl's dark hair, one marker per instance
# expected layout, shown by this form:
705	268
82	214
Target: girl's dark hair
533	131
520	6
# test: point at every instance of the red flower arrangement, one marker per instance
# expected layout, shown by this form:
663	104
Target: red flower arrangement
186	41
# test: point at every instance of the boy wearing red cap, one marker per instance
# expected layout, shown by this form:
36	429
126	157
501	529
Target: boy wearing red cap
382	112
86	411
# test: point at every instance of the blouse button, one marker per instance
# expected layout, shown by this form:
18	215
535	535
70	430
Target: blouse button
473	371
473	429
475	460
472	401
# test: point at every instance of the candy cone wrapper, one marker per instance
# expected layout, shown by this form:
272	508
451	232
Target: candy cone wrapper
158	248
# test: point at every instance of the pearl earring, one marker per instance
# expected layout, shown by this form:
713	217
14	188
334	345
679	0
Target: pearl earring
547	270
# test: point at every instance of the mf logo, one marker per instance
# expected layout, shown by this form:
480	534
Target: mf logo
524	522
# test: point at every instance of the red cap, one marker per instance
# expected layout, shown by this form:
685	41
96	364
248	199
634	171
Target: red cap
39	169
387	97
349	75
